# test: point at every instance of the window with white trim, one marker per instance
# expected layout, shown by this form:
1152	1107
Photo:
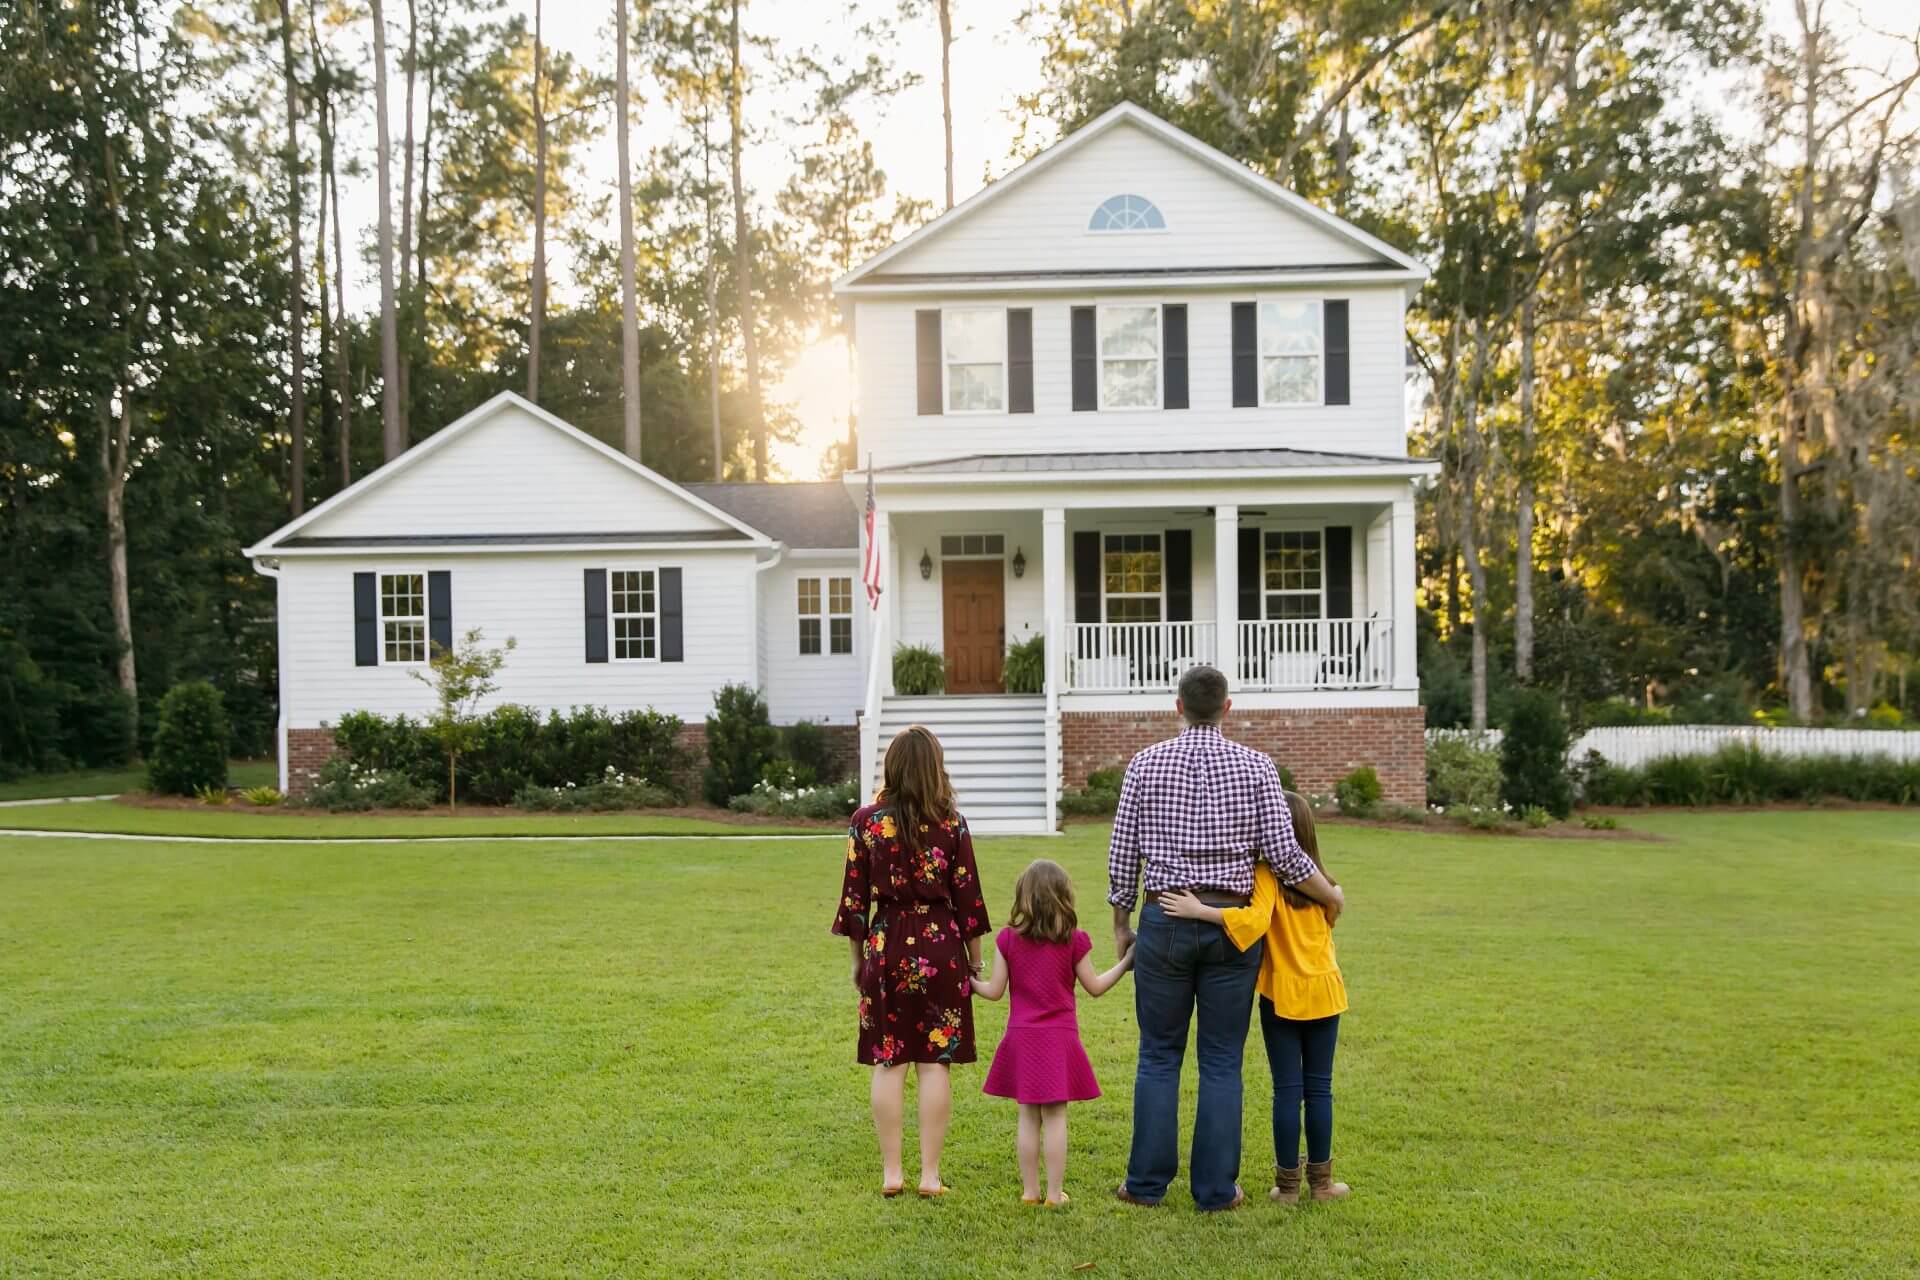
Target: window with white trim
1126	213
974	351
825	607
403	617
1290	352
1131	577
1293	574
1130	357
633	608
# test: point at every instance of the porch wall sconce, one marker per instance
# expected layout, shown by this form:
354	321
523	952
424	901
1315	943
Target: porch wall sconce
926	566
1019	563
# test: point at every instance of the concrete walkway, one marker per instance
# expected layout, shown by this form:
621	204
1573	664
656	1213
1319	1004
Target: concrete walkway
21	804
151	838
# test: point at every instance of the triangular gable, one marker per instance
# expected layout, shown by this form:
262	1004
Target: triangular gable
508	468
1219	214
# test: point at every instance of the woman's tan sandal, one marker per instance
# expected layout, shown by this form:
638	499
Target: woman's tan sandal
1286	1185
1320	1183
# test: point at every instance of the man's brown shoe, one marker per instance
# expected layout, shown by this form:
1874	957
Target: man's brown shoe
1239	1198
1286	1185
1121	1194
1320	1183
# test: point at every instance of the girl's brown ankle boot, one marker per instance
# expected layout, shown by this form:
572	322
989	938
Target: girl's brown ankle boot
1320	1183
1286	1185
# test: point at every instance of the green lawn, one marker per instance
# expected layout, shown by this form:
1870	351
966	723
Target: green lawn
108	782
1565	1058
241	820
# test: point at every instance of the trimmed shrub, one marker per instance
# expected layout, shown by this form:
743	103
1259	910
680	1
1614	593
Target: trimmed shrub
1286	776
1533	756
740	742
1106	779
1462	770
1741	774
393	744
834	800
344	786
1026	666
805	748
1089	803
612	790
1536	817
918	670
190	744
1359	792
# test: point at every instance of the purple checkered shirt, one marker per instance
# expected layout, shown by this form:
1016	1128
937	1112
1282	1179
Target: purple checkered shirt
1199	810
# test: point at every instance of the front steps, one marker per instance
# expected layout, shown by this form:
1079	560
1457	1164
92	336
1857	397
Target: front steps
996	751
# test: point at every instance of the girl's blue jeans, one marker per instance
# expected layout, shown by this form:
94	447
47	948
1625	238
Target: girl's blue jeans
1300	1055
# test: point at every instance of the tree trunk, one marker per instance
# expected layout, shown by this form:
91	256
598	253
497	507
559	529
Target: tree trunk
426	181
1469	530
1524	491
946	88
328	427
296	319
713	301
393	438
1795	669
539	309
115	444
743	254
411	68
342	355
629	304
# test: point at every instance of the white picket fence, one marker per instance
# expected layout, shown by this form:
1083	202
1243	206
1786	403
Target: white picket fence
1637	744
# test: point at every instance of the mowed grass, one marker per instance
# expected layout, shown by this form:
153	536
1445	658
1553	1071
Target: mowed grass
241	821
108	782
1565	1058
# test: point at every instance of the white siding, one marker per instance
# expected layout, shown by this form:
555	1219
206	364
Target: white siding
1212	220
538	600
825	688
514	474
1374	423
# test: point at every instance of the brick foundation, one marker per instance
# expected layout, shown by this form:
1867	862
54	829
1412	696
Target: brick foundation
307	751
843	749
1319	746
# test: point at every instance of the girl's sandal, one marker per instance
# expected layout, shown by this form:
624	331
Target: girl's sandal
933	1193
1061	1202
1032	1200
889	1193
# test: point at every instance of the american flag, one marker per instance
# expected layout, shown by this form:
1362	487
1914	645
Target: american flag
870	573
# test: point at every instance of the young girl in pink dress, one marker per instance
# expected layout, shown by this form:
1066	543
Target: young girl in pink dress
1041	1063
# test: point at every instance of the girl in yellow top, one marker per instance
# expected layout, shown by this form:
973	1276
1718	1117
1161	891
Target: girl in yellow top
1301	999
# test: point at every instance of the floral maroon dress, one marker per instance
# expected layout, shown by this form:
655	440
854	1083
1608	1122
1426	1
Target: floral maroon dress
916	1000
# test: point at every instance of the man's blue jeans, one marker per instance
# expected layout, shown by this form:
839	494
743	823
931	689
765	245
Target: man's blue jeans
1179	965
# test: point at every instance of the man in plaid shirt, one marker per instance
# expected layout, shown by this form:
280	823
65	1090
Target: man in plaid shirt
1196	812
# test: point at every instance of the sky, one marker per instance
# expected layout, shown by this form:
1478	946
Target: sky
993	63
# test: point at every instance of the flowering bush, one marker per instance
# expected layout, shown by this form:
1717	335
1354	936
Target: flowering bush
1462	769
347	787
611	790
832	800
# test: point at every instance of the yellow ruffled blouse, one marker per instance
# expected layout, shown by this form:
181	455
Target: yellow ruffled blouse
1298	972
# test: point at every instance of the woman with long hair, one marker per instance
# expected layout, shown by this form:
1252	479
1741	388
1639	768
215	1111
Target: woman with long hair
913	914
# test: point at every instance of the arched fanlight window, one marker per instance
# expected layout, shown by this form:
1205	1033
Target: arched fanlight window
1127	213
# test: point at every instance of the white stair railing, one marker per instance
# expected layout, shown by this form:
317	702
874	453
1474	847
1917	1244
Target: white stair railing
1052	643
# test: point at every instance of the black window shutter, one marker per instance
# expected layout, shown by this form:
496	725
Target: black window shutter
366	621
926	352
1173	332
1086	368
1179	574
672	642
1086	576
1339	571
1246	358
1020	360
1250	575
596	615
439	611
1333	318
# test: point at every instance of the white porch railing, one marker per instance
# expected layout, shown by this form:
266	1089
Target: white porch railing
1325	653
1134	657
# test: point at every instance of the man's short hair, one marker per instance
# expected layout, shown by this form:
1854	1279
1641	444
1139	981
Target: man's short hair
1203	694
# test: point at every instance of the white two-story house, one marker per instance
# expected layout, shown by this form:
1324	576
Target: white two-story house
1133	398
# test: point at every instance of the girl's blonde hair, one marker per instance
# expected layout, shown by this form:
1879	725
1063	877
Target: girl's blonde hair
916	785
1310	841
1043	903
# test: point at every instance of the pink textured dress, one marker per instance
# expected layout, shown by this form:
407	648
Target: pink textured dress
1041	1059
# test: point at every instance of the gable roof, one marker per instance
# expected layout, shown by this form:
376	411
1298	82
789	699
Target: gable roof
290	539
808	514
1391	263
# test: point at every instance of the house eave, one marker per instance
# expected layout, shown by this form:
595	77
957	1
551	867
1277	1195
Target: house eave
1132	281
363	548
1410	469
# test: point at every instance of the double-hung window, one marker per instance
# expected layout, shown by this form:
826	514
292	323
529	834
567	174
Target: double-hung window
975	352
825	607
1293	574
403	617
1290	352
1130	357
1131	577
634	609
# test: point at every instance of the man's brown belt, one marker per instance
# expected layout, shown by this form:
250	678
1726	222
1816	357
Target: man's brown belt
1212	897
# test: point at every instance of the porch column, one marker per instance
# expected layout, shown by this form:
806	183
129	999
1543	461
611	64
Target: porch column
1053	578
1405	672
1226	592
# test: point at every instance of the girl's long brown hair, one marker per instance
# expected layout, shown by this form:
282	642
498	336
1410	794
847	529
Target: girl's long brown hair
1310	841
1043	903
915	784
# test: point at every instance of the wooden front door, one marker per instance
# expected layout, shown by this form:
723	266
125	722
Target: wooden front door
974	604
